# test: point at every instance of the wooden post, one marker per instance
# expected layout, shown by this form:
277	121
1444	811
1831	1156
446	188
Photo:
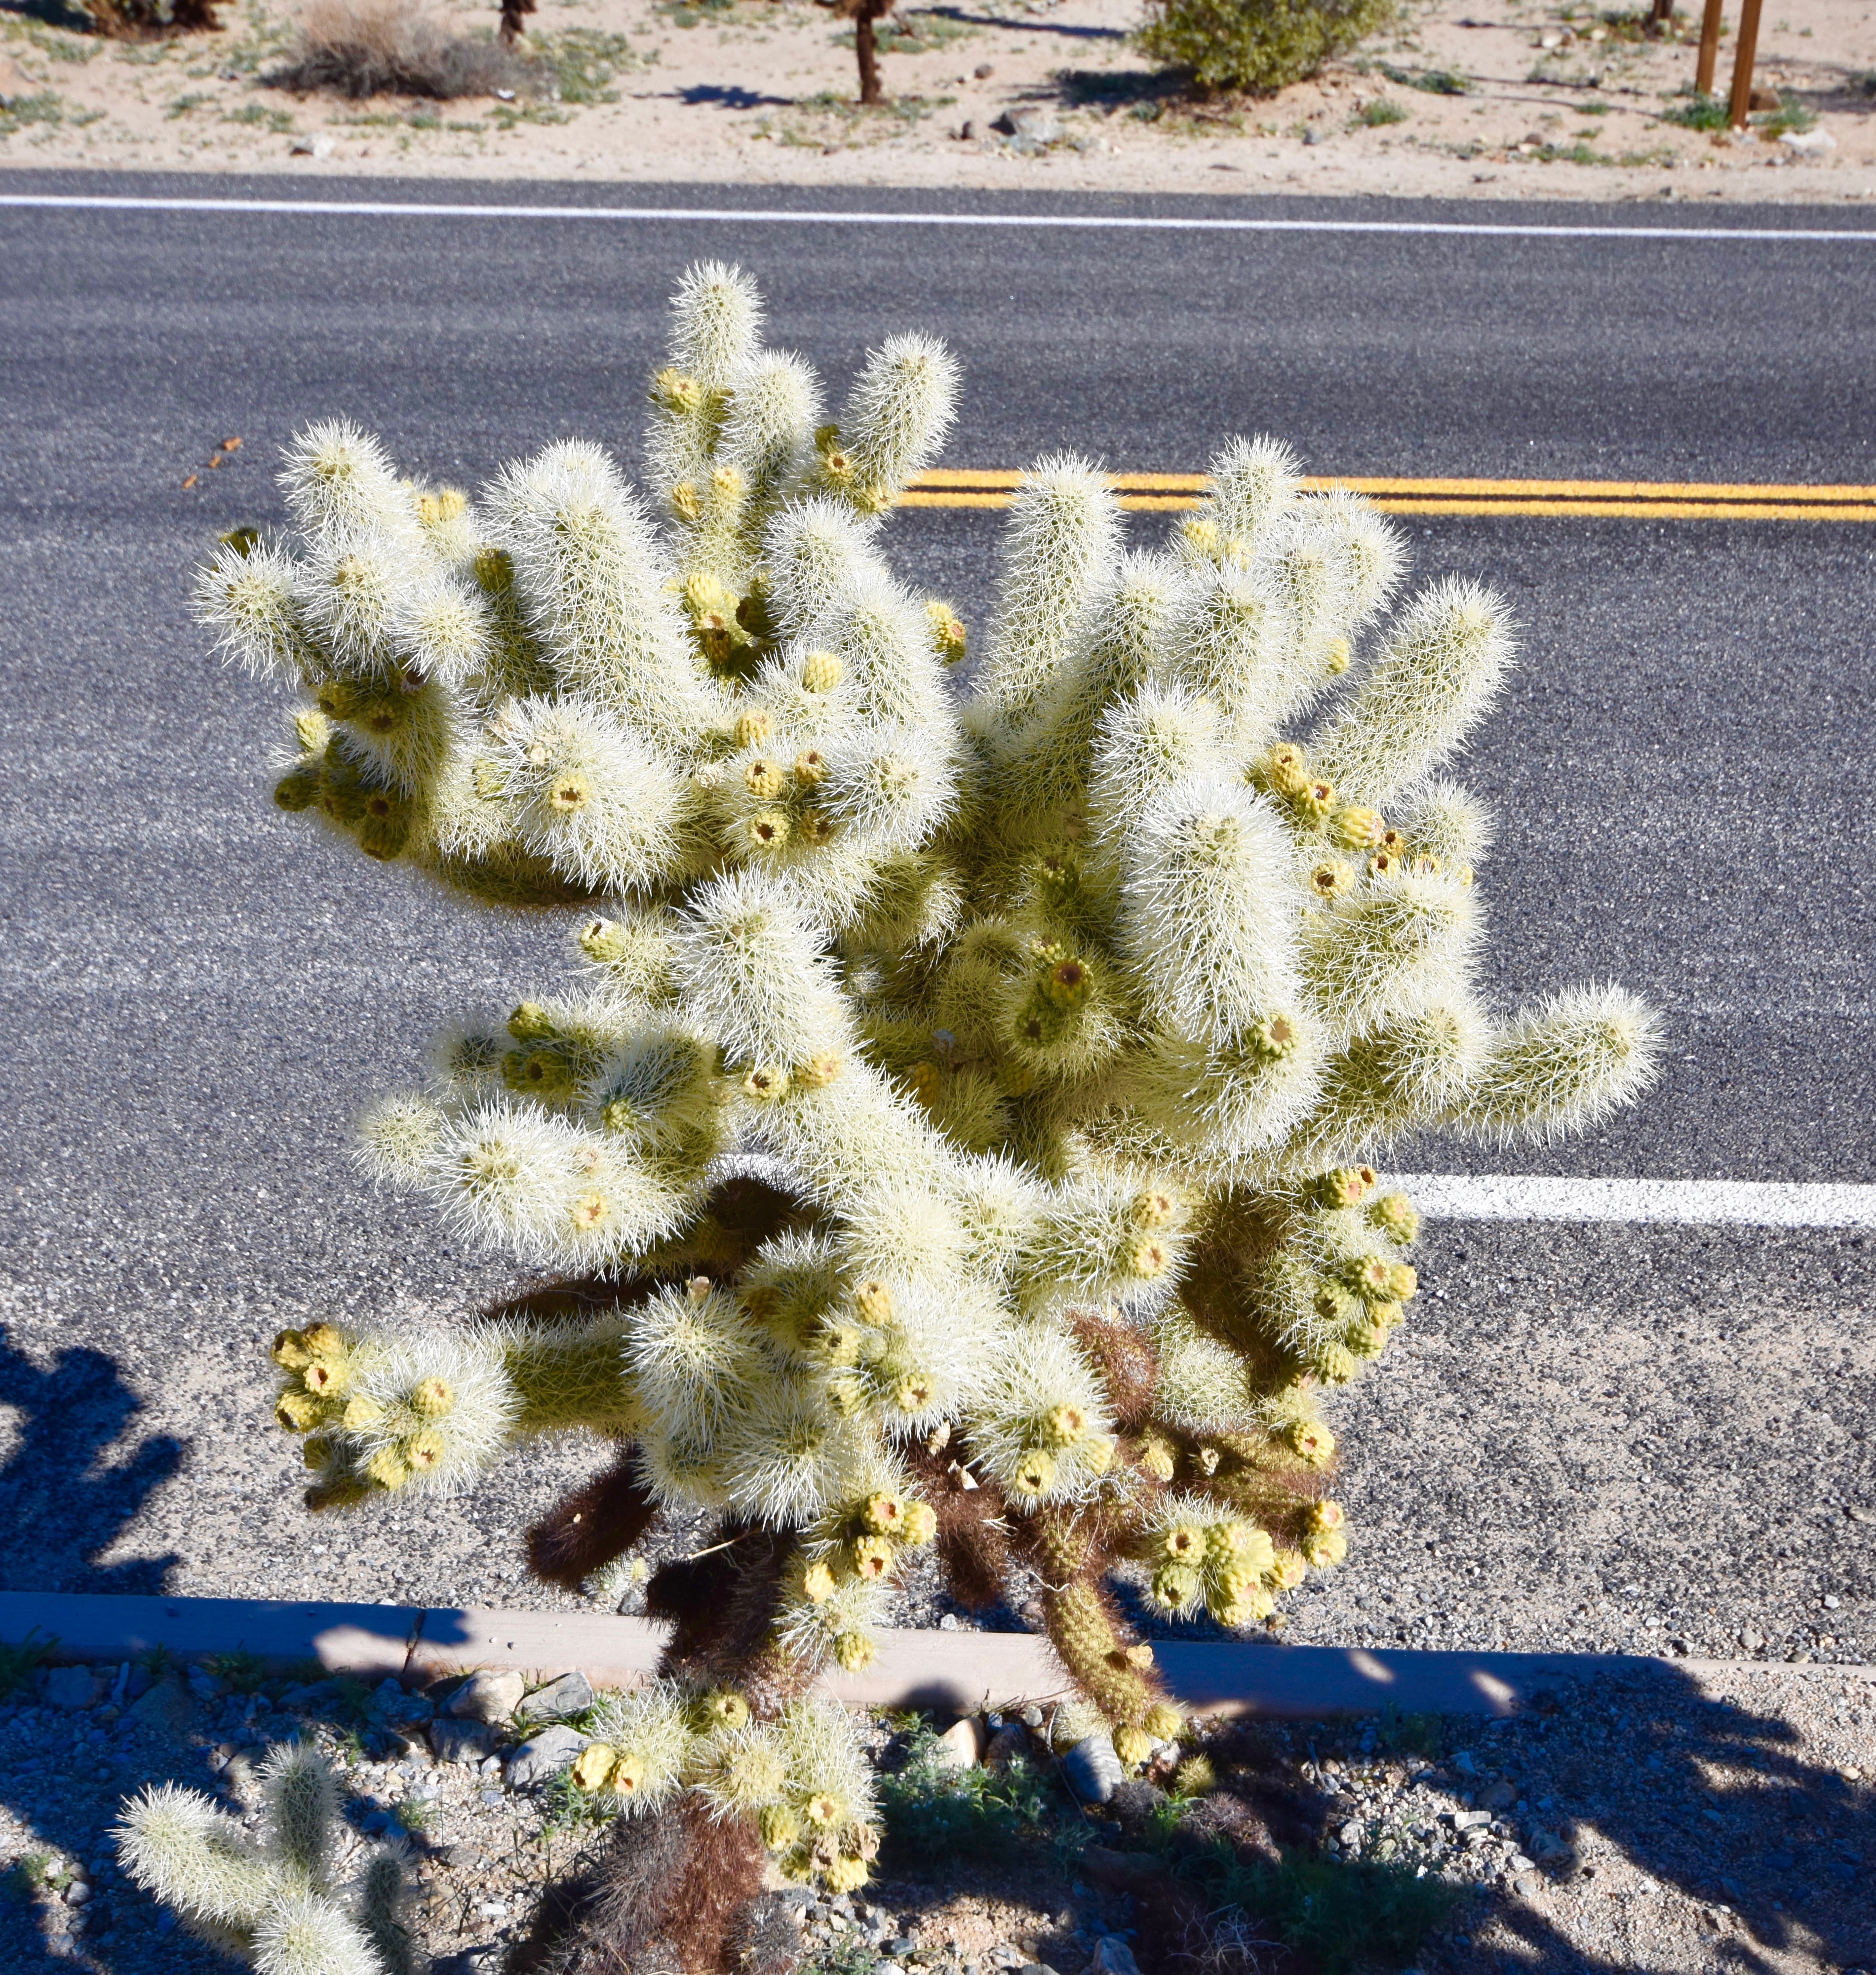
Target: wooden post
1743	65
1710	48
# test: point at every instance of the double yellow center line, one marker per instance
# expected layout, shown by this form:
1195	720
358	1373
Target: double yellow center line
1619	500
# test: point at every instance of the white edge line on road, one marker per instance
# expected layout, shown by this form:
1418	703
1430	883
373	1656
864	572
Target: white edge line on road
1524	1197
760	216
1691	1202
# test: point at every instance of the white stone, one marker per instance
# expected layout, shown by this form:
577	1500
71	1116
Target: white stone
1809	144
961	1745
487	1696
319	146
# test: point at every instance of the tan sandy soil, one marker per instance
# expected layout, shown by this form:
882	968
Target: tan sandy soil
760	92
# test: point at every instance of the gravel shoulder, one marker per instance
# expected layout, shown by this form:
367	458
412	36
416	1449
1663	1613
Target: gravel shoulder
1540	100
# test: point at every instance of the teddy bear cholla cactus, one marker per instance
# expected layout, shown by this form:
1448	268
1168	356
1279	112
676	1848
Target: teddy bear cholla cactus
1062	1012
272	1898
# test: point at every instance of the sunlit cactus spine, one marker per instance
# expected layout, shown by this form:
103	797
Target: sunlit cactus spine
271	1896
960	1130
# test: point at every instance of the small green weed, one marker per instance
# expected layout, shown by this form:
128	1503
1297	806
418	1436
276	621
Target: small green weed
1698	113
49	40
279	122
181	106
582	61
1420	1735
849	1958
43	108
1594	109
416	1813
917	32
693	13
19	1663
566	1810
1790	115
24	1878
1433	81
240	1671
1383	110
932	1810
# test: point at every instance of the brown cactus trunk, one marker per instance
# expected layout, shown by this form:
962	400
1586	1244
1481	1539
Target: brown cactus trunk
867	48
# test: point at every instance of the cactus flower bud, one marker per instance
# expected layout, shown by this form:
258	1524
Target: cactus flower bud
821	672
592	1766
854	1651
1034	1473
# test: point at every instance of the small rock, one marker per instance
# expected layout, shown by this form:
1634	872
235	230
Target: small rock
1498	1797
1312	136
983	71
1092	1770
491	1800
901	1947
167	1707
542	1757
1519	1863
487	1696
461	1741
1811	144
320	146
1464	1763
1351	1835
73	1688
393	1707
572	1693
1009	1742
1034	122
1032	1716
960	1745
77	1893
1468	1820
967	133
1112	1956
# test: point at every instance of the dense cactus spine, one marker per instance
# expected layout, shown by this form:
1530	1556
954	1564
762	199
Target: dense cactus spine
960	1132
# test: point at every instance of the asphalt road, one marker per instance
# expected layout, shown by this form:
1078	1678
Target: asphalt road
199	991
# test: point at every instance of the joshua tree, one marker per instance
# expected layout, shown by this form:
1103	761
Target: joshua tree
959	1131
272	1898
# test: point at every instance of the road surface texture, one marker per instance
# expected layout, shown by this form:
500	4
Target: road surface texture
1605	1434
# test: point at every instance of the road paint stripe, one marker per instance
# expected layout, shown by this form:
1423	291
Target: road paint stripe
1617	499
1688	1202
762	216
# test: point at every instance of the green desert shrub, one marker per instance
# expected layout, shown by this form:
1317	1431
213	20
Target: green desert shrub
1256	43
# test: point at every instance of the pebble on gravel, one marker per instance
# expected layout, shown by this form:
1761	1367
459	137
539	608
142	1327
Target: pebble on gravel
1092	1769
72	1686
461	1741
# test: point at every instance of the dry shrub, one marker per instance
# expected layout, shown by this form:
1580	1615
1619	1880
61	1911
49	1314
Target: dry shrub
382	47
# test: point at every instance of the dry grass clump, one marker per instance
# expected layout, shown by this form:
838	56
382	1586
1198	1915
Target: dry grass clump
380	48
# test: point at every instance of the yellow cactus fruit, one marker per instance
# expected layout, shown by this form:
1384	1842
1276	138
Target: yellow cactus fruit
948	631
726	485
1156	1207
1097	1453
432	1397
818	1071
1335	660
324	1378
1163	1722
847	1395
1034	1473
323	1340
1331	877
810	768
1224	1540
1325	1548
1175	1585
1287	1570
603	940
765	1084
1139	1655
1150	1259
913	1393
593	1766
360	1413
926	1080
1368	1276
921	1523
821	672
873	1300
1368	1340
871	1556
569	792
423	1452
1195	1777
1316	800
837	468
751	729
818	1584
854	1652
767	829
1241	1603
1403	1282
1156	1457
387	1469
1183	1543
1326	1515
675	391
1285	771
1203	534
1312	1442
1066	1424
780	1827
297	1411
628	1773
1133	1745
1389	1316
763	779
725	1708
847	1874
1384	864
1343	1186
1274	1039
1355	828
297	791
1393	1214
823	1811
884	1514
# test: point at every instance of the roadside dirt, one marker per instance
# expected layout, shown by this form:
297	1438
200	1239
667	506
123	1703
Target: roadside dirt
1520	99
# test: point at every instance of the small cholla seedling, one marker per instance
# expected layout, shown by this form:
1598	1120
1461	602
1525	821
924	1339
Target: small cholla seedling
961	1132
270	1898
